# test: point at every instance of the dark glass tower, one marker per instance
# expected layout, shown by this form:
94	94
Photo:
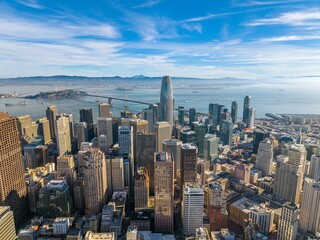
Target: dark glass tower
87	116
166	100
246	106
234	111
192	115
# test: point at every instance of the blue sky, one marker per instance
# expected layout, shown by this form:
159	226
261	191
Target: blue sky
204	38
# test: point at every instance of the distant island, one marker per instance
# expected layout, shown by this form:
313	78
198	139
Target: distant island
68	93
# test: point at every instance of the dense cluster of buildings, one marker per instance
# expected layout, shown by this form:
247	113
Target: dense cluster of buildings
159	175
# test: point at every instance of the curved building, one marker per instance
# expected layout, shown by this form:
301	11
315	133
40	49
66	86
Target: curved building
166	100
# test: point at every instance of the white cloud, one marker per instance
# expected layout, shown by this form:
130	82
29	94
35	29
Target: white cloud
149	3
31	3
290	38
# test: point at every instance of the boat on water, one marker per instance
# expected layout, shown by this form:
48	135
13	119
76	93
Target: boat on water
21	103
124	88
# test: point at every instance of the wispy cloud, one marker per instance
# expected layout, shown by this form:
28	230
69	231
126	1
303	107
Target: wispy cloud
31	3
306	17
149	3
250	3
290	38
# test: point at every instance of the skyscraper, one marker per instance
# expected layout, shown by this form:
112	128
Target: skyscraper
258	136
251	118
164	192
246	106
264	158
192	115
288	222
138	125
163	131
115	175
13	191
315	167
125	138
288	179
210	147
86	115
63	138
309	220
189	159
44	130
173	146
226	132
192	208
104	110
141	189
51	114
166	100
66	169
7	228
95	181
81	133
181	114
234	112
104	127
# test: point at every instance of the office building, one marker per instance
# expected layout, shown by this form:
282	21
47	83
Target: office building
141	189
63	138
7	228
181	113
51	114
78	196
242	172
173	146
44	130
13	190
86	115
288	222
99	236
258	136
166	100
146	147
27	234
81	133
200	129
309	220
104	110
192	116
192	208
66	169
55	200
163	192
210	147
189	159
263	217
264	159
125	139
71	124
234	112
95	181
251	118
246	107
115	175
288	179
104	127
188	136
315	167
163	131
138	125
226	132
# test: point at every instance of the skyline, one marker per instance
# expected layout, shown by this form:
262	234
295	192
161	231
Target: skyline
242	39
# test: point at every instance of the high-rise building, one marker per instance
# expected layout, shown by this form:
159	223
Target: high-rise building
309	220
81	133
95	181
115	175
251	117
51	114
164	192
246	107
163	131
214	112
192	208
7	228
189	136
234	112
166	100
200	129
141	189
315	167
55	200
71	124
173	146
263	217
189	159
44	129
125	139
210	147
192	115
181	113
264	157
104	127
146	147
13	190
78	196
104	110
86	115
288	179
258	136
152	115
226	132
63	138
66	169
221	109
138	125
288	222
